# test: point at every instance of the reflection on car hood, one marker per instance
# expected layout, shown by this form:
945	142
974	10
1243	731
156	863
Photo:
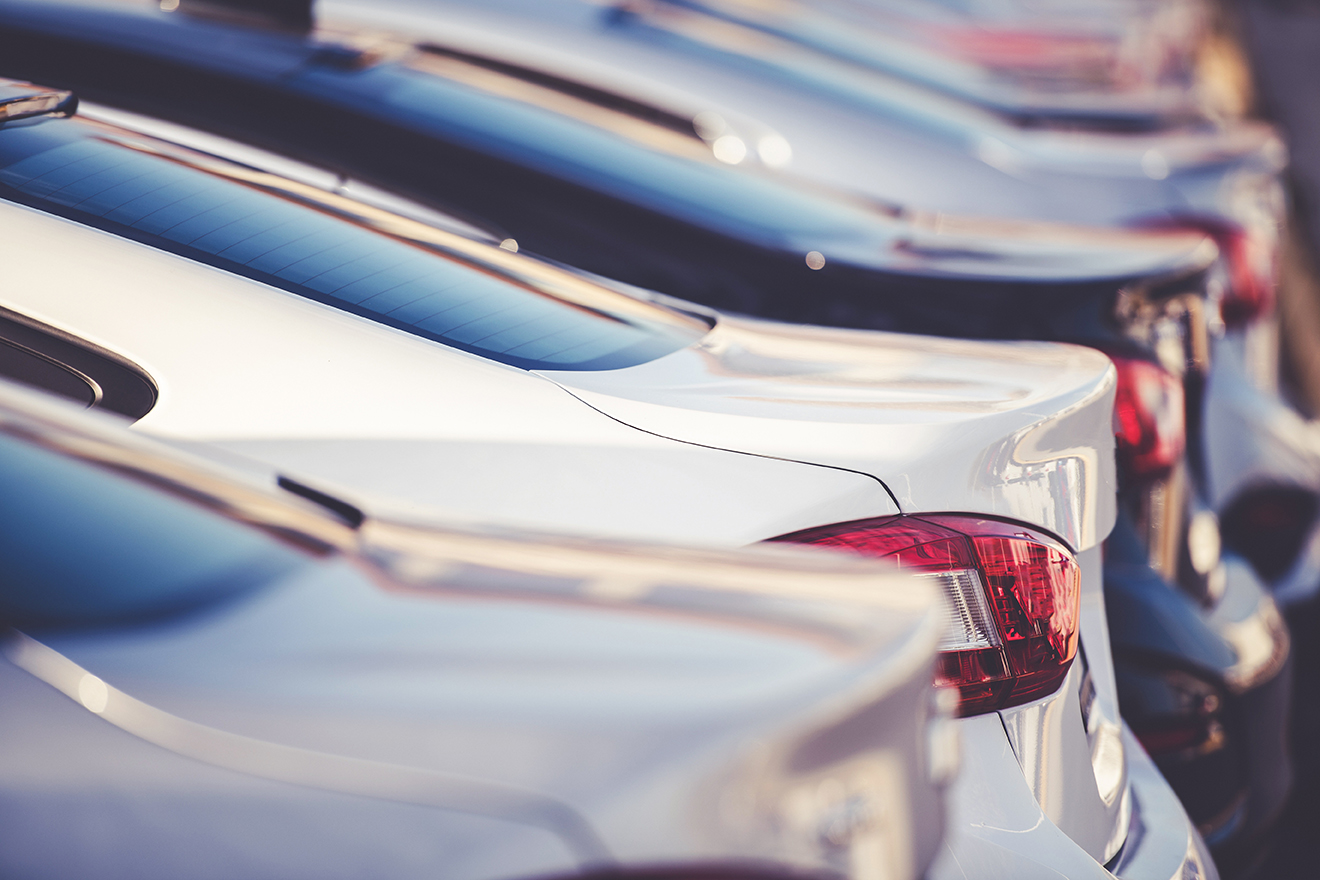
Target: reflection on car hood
1021	430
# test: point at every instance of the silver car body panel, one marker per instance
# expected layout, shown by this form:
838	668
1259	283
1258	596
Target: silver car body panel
832	113
502	704
1014	838
863	233
903	39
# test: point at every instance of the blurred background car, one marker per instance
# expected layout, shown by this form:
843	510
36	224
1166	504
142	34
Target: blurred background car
509	144
1280	40
214	678
1108	65
1258	466
318	325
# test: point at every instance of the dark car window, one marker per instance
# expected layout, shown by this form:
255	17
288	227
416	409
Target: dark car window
773	211
307	243
82	545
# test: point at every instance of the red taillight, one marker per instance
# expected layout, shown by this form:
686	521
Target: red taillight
1251	257
1022	49
1149	419
1012	596
1251	276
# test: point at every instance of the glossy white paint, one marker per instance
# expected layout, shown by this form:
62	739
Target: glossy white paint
499	710
497	704
1161	843
395	421
1020	431
1056	757
997	830
1252	436
404	423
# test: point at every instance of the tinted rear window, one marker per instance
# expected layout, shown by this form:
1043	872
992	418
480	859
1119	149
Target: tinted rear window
253	224
83	545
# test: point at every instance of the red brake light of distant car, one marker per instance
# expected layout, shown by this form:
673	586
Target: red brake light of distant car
1250	256
1022	49
1012	594
1193	723
1251	276
1149	419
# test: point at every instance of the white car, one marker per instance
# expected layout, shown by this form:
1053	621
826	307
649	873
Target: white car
212	681
382	360
1191	359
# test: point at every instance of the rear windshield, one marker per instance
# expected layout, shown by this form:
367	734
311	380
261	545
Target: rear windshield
84	546
322	245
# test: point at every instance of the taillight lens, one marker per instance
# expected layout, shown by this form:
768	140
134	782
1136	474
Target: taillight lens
1012	599
1251	276
1022	49
1251	257
1149	419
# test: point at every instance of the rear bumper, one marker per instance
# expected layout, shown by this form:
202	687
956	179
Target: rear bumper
1161	842
998	830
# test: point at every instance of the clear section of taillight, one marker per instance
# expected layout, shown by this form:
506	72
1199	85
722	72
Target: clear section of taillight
1149	419
1011	593
969	624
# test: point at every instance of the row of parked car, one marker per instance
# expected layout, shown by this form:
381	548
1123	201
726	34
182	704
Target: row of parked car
506	376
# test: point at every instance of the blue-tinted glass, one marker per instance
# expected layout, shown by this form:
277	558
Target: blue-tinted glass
120	183
83	545
749	206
